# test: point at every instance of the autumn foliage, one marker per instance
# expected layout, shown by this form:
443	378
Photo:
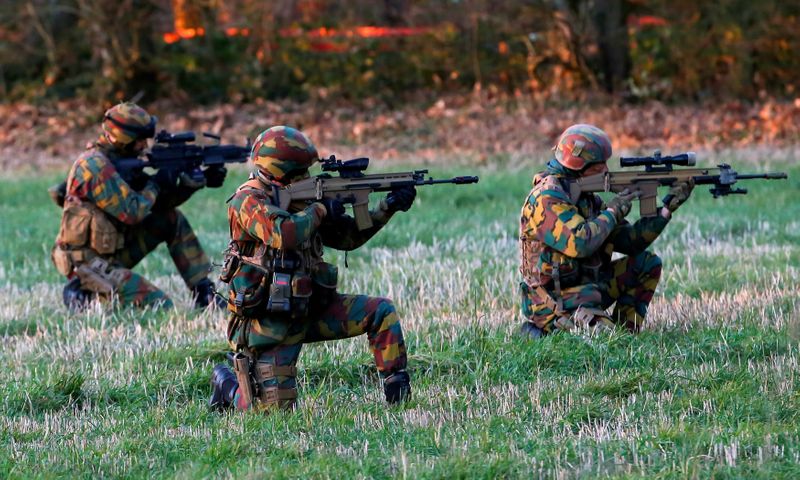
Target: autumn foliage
243	50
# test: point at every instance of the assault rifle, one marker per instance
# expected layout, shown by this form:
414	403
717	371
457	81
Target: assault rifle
353	186
178	152
659	172
174	151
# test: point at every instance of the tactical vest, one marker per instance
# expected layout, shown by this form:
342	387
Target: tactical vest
267	281
86	232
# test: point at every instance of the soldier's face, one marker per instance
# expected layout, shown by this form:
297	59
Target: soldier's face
595	169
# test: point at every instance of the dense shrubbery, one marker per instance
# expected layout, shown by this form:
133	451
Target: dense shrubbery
636	48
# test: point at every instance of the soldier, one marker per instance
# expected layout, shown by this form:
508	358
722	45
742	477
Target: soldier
108	225
566	244
281	292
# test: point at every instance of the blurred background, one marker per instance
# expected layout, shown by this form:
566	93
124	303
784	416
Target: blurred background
722	73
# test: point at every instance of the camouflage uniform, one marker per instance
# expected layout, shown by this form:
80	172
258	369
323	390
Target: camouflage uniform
264	236
108	228
566	254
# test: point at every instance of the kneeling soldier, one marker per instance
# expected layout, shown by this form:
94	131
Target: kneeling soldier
566	244
281	292
109	225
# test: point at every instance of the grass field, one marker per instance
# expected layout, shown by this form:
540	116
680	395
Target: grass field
710	388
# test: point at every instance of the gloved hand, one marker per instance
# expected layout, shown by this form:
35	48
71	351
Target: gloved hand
620	205
194	180
215	176
678	194
165	178
335	209
401	198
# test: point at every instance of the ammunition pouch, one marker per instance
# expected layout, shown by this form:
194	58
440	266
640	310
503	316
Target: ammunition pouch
283	286
258	384
85	225
66	261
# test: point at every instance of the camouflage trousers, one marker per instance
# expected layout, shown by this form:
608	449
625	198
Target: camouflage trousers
279	342
171	228
630	282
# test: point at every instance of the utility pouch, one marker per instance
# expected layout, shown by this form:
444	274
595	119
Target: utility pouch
62	260
104	235
301	294
241	367
280	293
75	222
249	302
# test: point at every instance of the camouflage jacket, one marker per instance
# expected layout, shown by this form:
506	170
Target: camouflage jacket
260	231
94	179
574	238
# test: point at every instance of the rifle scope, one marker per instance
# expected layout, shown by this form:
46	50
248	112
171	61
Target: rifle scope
169	138
346	168
683	159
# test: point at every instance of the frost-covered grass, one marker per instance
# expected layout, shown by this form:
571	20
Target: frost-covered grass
710	388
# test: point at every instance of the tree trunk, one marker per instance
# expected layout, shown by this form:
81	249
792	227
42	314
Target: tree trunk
612	39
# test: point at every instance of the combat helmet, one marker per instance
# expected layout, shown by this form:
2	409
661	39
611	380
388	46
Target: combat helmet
126	123
281	153
582	145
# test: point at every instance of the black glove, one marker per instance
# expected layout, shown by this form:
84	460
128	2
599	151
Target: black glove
335	209
215	176
138	179
401	198
165	178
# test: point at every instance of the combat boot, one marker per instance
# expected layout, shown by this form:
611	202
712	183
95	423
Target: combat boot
224	386
76	298
204	295
397	387
529	331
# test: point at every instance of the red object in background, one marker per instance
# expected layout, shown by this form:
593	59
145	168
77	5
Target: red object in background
365	31
639	21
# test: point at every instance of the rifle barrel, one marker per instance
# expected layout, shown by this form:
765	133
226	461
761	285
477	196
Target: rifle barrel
456	180
768	176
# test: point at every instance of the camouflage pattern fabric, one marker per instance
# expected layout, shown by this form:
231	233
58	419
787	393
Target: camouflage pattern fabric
283	152
125	123
279	343
578	237
630	282
581	145
94	179
276	337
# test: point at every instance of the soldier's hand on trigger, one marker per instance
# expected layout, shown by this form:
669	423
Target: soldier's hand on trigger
401	198
335	209
620	205
215	176
678	194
